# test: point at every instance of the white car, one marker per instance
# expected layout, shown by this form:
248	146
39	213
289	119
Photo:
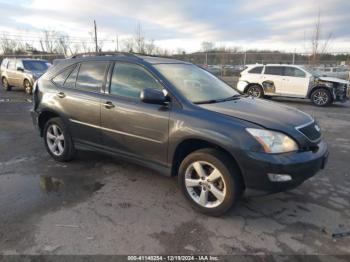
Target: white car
292	81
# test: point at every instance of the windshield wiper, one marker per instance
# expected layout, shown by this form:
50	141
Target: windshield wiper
212	101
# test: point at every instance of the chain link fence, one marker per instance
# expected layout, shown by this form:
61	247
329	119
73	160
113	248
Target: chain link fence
230	64
226	64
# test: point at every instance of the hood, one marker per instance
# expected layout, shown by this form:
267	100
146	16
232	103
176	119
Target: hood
334	79
265	113
36	73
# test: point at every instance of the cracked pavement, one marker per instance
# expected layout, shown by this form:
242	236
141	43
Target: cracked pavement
97	204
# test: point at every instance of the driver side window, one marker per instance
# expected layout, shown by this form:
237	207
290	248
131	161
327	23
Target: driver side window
128	80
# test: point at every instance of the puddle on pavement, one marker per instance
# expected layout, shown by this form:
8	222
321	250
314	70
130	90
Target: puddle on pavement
22	195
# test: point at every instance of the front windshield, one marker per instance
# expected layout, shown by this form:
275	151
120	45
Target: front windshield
196	84
311	71
35	65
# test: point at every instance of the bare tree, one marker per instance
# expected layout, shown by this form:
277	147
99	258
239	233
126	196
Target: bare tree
8	46
48	42
149	47
63	42
319	44
139	39
128	45
207	46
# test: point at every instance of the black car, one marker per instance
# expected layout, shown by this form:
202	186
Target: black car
180	120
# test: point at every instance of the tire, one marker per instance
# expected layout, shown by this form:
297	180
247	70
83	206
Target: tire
28	88
59	143
321	97
227	184
5	84
255	91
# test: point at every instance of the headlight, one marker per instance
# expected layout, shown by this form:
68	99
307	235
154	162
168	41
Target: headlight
273	142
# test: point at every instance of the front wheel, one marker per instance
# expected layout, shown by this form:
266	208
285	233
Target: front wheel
210	181
5	84
321	97
27	87
58	141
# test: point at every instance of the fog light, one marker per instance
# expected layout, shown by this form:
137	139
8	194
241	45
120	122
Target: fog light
279	177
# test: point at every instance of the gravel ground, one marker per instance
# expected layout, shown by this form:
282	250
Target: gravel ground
100	205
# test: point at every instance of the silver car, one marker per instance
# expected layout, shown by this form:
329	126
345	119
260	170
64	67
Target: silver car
22	72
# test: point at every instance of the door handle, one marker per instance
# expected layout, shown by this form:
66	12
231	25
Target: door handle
109	105
61	95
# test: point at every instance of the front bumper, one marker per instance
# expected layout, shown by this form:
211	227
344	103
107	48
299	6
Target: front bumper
300	166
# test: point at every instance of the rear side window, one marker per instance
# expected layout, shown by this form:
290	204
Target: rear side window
70	82
12	64
91	76
256	70
274	70
4	63
294	72
129	80
61	77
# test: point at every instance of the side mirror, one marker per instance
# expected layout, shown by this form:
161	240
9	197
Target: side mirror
20	69
153	96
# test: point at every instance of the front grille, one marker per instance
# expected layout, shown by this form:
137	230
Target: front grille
310	131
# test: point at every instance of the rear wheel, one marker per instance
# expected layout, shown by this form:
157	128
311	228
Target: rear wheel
58	141
255	91
321	97
210	181
27	87
5	84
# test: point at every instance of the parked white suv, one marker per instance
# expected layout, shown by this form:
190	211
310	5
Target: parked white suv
292	81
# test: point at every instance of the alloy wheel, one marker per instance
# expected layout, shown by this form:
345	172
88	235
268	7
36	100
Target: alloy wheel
320	98
205	184
55	140
254	91
5	84
27	87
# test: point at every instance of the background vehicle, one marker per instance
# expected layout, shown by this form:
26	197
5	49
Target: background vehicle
338	71
180	120
292	81
21	72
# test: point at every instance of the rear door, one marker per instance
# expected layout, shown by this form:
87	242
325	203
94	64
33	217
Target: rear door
79	97
130	126
273	76
296	82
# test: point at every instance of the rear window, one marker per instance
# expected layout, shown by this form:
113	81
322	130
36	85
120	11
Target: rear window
256	70
33	65
91	76
274	70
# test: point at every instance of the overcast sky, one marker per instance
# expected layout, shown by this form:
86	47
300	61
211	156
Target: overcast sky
268	24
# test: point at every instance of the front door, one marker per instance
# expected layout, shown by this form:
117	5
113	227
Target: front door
128	125
296	82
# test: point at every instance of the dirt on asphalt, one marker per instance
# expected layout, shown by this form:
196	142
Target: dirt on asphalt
97	204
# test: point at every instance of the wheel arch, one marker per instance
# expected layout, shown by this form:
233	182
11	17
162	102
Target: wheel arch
189	145
253	84
320	87
44	116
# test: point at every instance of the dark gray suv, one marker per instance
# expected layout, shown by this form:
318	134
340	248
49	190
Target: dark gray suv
180	120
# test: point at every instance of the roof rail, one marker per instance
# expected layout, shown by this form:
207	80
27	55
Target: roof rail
102	54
